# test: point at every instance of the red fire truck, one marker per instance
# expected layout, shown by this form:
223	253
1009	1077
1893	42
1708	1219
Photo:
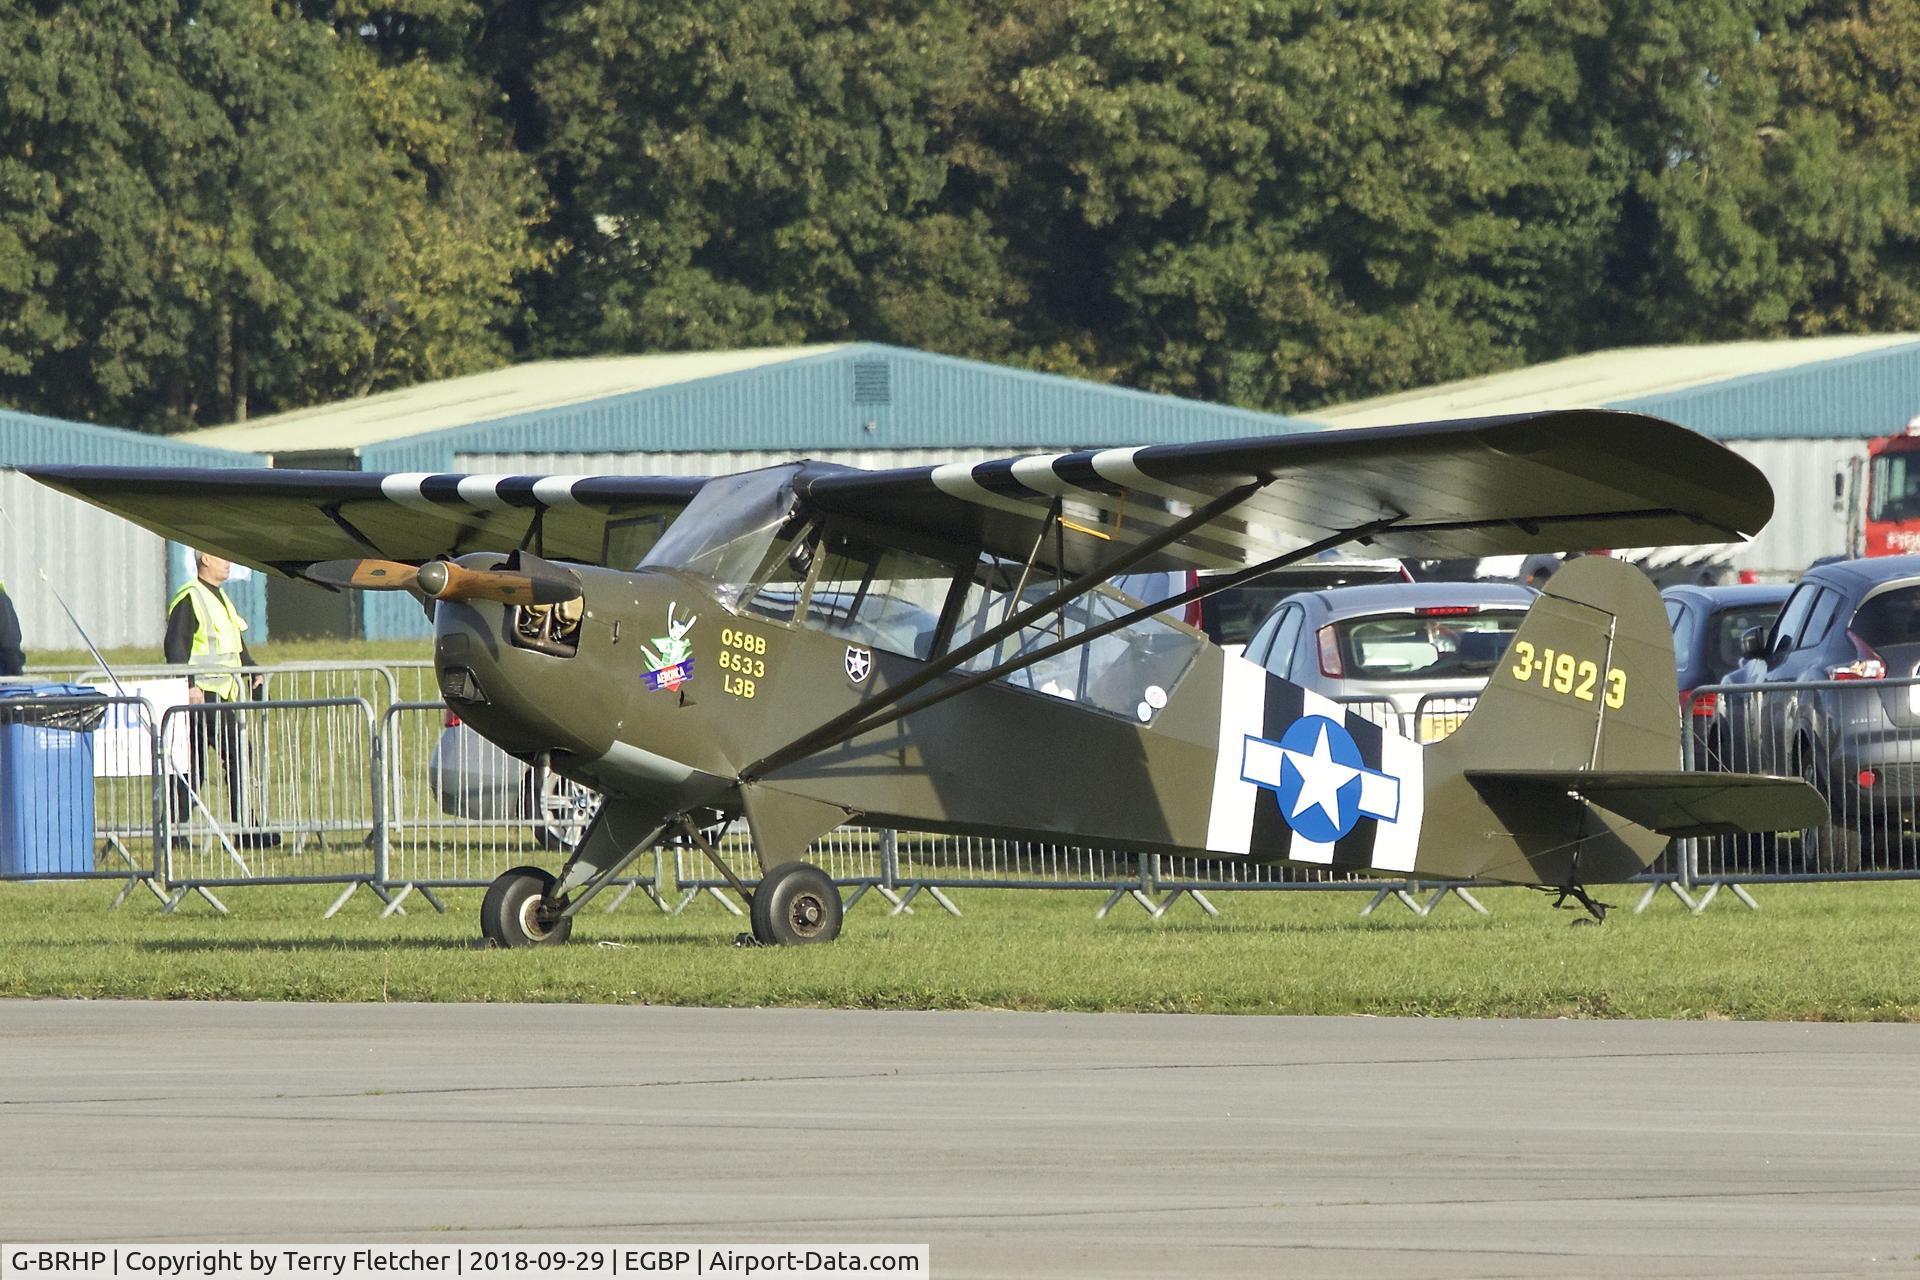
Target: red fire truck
1892	526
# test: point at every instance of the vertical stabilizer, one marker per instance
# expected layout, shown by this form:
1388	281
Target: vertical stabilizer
1587	684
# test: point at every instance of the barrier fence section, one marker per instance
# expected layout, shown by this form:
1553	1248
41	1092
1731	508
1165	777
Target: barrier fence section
1857	741
459	810
282	792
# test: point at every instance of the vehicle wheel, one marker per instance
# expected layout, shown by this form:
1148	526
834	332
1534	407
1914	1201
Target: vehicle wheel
1833	847
560	810
517	911
796	902
1836	845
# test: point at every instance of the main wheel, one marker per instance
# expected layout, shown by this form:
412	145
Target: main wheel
518	910
796	902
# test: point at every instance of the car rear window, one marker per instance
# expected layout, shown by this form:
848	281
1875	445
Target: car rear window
1724	632
1892	617
1425	647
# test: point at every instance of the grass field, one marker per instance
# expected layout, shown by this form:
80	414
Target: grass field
1813	952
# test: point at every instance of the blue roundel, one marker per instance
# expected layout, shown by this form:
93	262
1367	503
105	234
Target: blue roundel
1320	778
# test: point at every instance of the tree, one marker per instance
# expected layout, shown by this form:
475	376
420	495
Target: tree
768	172
213	206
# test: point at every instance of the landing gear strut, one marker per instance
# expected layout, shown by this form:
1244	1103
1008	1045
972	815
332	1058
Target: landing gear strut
794	903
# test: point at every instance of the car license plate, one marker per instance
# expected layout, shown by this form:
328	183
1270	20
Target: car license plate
1435	725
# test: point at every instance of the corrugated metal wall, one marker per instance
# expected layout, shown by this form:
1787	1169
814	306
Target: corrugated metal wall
858	398
113	575
1867	395
1808	522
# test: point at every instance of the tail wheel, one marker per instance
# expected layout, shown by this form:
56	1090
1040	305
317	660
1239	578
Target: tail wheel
520	911
796	903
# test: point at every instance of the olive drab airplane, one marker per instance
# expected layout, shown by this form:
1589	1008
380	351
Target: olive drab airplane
939	649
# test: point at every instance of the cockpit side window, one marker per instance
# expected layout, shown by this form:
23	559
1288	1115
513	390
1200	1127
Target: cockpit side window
1128	672
884	597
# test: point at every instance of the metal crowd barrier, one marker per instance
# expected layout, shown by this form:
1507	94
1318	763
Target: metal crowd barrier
272	792
336	776
1856	741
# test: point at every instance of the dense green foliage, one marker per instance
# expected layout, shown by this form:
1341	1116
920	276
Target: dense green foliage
210	208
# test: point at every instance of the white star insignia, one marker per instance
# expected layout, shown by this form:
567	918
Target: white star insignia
1321	777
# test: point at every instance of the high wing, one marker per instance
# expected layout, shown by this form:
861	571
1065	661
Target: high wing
1559	481
1533	482
288	520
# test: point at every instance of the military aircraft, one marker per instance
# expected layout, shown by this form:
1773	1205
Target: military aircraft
938	648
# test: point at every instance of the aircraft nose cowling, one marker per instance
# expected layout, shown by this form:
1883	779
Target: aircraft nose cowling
505	674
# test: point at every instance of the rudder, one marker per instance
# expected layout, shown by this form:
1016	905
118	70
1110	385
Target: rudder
1587	683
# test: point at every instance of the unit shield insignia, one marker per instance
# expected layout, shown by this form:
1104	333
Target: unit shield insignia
859	663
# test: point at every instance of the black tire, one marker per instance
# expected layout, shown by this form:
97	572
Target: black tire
1836	846
518	912
796	903
1832	848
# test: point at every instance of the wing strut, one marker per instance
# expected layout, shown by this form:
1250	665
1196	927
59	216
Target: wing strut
883	711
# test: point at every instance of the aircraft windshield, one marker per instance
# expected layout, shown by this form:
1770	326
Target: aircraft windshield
728	529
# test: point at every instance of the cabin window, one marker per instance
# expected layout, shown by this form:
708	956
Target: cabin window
1128	672
882	597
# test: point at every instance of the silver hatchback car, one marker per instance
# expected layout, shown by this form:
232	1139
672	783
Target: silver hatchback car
1415	654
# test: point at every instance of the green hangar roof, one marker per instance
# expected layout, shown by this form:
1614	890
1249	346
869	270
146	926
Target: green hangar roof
27	440
1803	387
859	396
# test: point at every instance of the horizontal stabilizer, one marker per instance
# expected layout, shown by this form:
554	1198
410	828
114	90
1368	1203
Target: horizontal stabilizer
1671	802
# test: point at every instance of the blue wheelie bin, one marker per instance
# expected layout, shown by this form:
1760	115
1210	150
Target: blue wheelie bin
46	779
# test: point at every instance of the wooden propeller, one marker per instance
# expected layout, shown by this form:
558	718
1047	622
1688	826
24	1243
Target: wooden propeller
445	580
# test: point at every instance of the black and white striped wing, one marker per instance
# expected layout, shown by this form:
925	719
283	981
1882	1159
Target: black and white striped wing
1571	480
288	520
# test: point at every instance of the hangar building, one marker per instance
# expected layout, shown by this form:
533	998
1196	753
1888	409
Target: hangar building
705	413
1803	410
114	576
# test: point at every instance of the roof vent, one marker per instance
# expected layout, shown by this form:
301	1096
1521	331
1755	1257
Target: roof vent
872	382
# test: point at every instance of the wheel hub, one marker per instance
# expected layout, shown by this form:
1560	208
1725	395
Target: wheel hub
806	913
537	916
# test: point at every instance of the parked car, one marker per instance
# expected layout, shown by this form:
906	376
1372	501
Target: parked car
1854	627
474	779
1230	617
1417	651
1707	625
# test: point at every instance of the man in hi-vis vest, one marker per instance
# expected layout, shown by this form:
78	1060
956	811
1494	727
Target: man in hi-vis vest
205	632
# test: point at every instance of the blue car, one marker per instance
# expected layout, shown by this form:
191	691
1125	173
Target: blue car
1707	625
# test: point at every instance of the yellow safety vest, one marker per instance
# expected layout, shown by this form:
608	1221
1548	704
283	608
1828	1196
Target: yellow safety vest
216	636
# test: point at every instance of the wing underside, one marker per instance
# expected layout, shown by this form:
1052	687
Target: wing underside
288	520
